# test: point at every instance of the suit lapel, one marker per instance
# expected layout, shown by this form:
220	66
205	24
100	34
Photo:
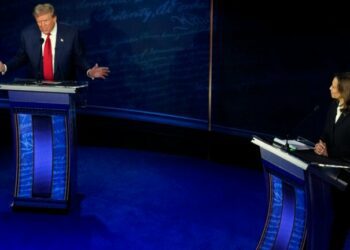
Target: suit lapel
342	118
58	49
37	51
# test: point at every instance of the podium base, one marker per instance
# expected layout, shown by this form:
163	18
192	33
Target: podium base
39	204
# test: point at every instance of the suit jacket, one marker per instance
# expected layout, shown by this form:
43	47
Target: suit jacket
337	135
69	54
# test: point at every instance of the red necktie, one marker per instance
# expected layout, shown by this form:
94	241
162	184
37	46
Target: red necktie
48	69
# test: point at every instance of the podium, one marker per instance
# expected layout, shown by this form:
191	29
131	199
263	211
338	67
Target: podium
299	183
43	121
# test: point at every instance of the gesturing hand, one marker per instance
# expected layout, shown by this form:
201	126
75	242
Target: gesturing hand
98	72
2	67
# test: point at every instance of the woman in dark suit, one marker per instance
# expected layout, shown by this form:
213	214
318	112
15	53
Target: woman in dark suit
335	139
335	143
66	54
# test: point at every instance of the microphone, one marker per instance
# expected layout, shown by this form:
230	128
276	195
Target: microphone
306	118
40	70
300	124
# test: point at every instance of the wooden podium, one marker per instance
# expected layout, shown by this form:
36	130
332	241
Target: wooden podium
43	118
300	211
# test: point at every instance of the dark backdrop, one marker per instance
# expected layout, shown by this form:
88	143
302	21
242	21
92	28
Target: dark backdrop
272	64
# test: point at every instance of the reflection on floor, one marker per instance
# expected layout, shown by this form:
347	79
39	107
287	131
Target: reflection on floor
134	199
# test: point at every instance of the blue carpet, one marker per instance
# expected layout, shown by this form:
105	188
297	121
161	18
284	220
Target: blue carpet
138	200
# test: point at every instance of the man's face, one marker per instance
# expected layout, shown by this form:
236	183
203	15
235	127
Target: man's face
46	22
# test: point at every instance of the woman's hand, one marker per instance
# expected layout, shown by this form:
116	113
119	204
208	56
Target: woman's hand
321	148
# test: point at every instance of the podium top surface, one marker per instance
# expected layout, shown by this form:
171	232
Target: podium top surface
280	153
301	157
69	87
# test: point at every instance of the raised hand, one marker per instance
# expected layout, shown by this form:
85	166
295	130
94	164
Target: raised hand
2	67
98	72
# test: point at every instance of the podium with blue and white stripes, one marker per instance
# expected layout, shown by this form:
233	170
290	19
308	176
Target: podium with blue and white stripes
43	118
300	211
286	222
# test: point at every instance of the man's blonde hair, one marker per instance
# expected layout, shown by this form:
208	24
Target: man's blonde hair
44	8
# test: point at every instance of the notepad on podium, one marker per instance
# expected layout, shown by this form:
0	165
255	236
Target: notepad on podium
294	144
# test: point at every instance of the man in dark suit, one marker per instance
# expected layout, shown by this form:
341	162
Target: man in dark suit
66	52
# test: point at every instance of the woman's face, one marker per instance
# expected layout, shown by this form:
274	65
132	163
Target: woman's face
334	89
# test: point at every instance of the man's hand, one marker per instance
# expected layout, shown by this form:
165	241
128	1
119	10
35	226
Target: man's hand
2	67
98	72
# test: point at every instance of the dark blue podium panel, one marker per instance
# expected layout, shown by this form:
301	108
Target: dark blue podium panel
44	133
285	226
43	159
287	215
44	128
301	205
